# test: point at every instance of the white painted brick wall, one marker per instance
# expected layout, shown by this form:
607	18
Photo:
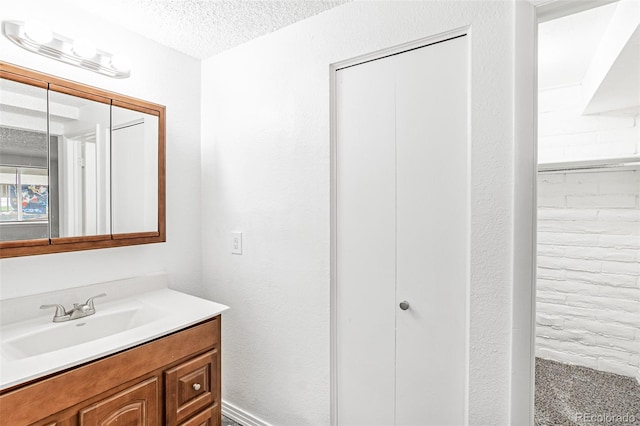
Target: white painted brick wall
588	286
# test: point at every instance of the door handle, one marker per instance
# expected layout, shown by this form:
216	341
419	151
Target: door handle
404	305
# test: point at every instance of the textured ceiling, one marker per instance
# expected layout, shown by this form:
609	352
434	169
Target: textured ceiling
202	28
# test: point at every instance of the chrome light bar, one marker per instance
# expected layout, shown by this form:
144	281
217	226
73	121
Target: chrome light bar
80	53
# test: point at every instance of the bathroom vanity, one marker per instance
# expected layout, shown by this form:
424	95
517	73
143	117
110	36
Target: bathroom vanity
155	367
175	378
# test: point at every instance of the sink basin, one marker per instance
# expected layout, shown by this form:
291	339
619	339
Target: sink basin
53	337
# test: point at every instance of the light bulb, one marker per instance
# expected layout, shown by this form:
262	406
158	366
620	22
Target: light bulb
121	62
38	32
84	48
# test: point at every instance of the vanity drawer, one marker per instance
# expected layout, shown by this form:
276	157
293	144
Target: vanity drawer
208	417
191	386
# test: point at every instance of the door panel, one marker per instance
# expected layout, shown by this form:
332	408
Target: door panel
365	245
135	406
432	229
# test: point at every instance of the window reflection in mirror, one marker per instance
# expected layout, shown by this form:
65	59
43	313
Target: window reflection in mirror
80	140
24	186
134	165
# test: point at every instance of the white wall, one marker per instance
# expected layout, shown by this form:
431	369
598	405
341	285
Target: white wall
588	284
265	172
159	75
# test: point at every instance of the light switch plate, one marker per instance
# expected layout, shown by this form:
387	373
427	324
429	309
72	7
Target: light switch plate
236	242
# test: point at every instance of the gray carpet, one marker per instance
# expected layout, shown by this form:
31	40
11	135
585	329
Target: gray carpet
226	421
572	395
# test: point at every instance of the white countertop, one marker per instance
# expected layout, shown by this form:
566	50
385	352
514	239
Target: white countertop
172	311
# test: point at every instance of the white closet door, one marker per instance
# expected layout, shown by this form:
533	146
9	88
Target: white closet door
366	244
402	230
432	231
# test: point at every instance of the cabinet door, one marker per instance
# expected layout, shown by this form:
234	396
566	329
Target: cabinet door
134	406
191	386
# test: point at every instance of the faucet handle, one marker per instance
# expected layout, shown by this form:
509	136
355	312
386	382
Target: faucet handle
61	313
90	300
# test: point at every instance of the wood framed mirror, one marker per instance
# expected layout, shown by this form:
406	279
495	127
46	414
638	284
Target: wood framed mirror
80	168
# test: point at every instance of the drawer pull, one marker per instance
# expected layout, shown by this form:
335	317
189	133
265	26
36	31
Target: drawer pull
196	386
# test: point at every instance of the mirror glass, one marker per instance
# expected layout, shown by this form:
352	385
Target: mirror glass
24	186
134	165
79	166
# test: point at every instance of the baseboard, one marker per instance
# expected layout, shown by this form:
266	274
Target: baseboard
239	415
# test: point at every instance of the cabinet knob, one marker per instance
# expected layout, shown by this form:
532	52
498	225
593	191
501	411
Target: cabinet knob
196	386
404	305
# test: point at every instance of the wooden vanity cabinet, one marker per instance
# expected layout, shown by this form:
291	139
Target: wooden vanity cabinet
173	381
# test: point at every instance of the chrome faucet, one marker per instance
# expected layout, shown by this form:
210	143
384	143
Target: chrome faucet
78	310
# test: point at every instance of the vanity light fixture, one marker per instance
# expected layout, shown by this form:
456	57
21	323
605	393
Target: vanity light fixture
38	38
